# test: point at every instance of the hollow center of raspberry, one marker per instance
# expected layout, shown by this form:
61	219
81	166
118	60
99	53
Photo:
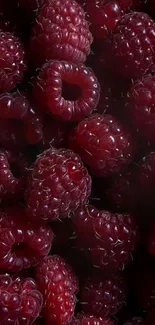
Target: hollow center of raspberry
70	92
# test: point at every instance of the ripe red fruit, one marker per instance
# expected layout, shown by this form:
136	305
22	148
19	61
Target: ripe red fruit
60	32
83	319
57	185
103	295
104	143
66	90
22	244
108	239
130	49
12	61
20	300
58	284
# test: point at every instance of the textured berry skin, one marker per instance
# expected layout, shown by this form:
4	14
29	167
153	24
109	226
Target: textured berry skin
12	185
141	107
135	187
135	321
22	244
12	61
61	32
83	319
17	107
58	284
130	50
20	300
108	239
58	184
48	90
104	144
103	296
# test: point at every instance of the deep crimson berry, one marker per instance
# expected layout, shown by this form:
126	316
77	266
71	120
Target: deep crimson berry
17	108
58	184
20	300
60	32
135	321
58	284
130	49
141	107
12	61
107	239
105	144
83	319
103	296
67	90
22	243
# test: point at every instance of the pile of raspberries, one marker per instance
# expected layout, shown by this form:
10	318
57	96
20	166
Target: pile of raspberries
77	162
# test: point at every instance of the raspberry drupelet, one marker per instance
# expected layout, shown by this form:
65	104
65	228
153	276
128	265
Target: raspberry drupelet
12	61
105	144
107	239
68	91
103	295
83	319
20	300
141	107
58	284
130	49
57	185
23	244
60	32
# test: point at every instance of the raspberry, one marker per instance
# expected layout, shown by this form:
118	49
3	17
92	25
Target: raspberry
60	33
22	244
67	90
104	144
108	239
58	184
135	187
16	107
55	133
83	319
130	50
20	300
103	296
135	321
58	285
141	106
12	61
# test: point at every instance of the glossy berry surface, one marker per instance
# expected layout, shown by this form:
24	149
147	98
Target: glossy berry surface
130	49
20	300
22	243
60	32
102	295
12	61
58	184
98	233
58	284
75	91
104	143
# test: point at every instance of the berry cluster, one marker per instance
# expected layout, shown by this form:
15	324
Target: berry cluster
77	162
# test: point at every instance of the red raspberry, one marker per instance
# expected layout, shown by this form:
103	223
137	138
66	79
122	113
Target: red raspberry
60	33
58	285
55	133
13	169
22	244
135	321
16	107
67	90
20	300
12	61
103	296
83	319
58	184
130	50
135	187
104	144
108	239
141	107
